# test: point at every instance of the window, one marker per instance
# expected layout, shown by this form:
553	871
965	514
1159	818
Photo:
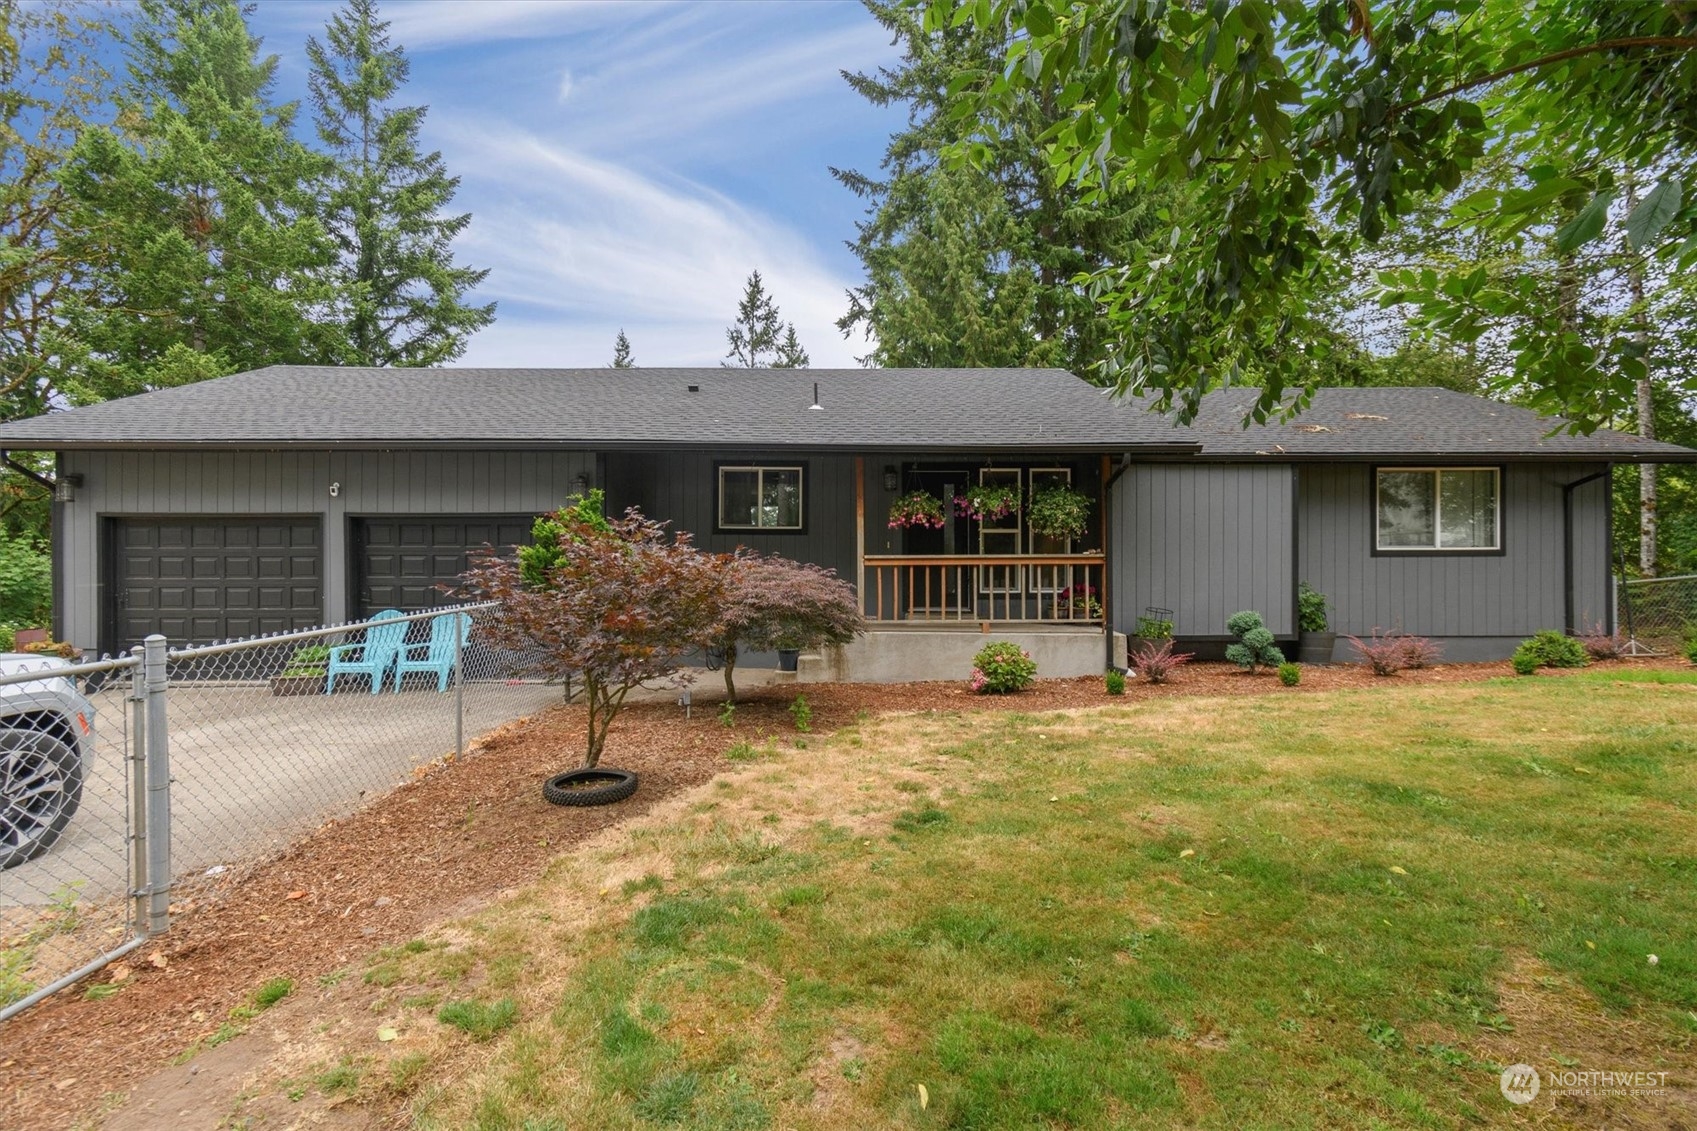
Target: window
760	498
1438	508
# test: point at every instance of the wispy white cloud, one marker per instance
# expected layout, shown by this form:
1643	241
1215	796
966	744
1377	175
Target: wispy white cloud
582	242
425	25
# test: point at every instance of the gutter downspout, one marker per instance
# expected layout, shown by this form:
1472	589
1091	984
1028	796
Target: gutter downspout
1567	490
1108	559
26	472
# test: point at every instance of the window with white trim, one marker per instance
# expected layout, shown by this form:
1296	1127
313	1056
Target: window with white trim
1438	508
760	498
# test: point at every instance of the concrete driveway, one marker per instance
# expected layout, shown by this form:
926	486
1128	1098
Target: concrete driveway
252	772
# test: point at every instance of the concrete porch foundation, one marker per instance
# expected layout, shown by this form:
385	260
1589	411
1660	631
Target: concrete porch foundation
907	655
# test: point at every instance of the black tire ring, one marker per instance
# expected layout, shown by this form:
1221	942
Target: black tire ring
620	785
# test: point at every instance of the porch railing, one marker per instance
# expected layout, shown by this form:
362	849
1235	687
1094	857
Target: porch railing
1042	588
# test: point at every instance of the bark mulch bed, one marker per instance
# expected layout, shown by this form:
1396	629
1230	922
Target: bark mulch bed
455	837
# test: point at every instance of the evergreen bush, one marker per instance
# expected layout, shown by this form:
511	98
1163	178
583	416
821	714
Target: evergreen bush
1254	648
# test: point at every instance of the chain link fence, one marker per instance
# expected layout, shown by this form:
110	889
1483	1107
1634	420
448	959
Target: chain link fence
1659	612
204	761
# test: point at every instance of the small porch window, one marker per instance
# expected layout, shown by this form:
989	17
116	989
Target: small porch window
1438	509
760	498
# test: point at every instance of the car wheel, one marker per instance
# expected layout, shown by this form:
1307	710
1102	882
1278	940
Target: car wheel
40	788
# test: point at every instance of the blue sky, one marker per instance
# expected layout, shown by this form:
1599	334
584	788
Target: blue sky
628	164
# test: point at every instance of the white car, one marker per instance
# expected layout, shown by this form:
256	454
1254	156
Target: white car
46	740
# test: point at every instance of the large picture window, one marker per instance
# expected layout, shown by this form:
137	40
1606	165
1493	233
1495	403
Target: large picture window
760	498
1438	508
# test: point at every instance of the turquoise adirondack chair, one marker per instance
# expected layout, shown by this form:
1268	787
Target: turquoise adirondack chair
384	635
437	653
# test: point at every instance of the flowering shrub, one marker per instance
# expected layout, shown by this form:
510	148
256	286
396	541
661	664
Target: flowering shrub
988	501
917	508
1000	667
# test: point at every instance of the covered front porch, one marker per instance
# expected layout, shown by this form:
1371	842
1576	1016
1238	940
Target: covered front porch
982	543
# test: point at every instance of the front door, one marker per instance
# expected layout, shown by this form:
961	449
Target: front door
936	590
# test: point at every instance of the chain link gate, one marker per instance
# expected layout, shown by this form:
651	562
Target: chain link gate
204	762
75	780
1659	613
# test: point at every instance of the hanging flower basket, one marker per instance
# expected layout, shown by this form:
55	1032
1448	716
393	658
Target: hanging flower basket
917	508
990	501
1058	512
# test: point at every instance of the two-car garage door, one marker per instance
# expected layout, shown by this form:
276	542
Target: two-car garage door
197	580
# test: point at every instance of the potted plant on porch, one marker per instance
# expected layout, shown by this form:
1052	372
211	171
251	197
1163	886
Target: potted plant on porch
988	501
1314	645
1058	511
917	508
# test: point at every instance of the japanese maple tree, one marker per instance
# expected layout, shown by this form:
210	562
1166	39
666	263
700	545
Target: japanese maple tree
609	602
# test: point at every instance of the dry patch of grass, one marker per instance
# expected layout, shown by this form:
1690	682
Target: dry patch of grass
1346	909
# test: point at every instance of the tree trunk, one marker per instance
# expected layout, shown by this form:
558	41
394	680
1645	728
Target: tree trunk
1646	403
599	716
730	666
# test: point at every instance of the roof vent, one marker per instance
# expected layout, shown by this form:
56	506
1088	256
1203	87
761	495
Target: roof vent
816	406
694	388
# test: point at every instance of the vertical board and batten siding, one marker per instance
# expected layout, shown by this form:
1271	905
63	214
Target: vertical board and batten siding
372	483
1206	541
682	488
1507	595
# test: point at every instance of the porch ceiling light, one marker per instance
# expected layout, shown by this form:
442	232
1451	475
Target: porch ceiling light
891	479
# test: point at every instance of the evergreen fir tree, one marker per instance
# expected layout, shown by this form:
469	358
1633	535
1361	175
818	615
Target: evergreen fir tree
621	353
759	338
403	297
196	209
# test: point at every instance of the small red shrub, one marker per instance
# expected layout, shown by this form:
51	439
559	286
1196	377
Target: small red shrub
1156	659
1386	654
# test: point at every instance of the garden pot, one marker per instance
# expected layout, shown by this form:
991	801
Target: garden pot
787	658
1316	647
297	685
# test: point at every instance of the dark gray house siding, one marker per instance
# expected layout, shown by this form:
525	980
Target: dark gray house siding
1205	541
682	488
1480	604
370	483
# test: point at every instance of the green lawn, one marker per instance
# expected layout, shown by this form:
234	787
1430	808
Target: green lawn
1284	911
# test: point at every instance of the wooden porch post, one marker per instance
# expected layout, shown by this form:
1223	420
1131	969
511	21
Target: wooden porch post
1107	585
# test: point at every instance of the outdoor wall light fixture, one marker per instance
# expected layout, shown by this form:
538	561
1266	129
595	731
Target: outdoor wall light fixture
580	484
891	480
65	487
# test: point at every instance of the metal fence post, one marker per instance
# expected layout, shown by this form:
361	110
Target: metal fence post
158	787
459	695
136	754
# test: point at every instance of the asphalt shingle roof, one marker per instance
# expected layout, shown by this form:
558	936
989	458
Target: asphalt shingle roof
1368	423
861	409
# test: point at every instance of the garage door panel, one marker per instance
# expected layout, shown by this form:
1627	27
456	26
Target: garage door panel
401	563
214	579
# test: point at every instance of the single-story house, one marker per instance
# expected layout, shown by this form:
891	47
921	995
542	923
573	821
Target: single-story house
292	496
